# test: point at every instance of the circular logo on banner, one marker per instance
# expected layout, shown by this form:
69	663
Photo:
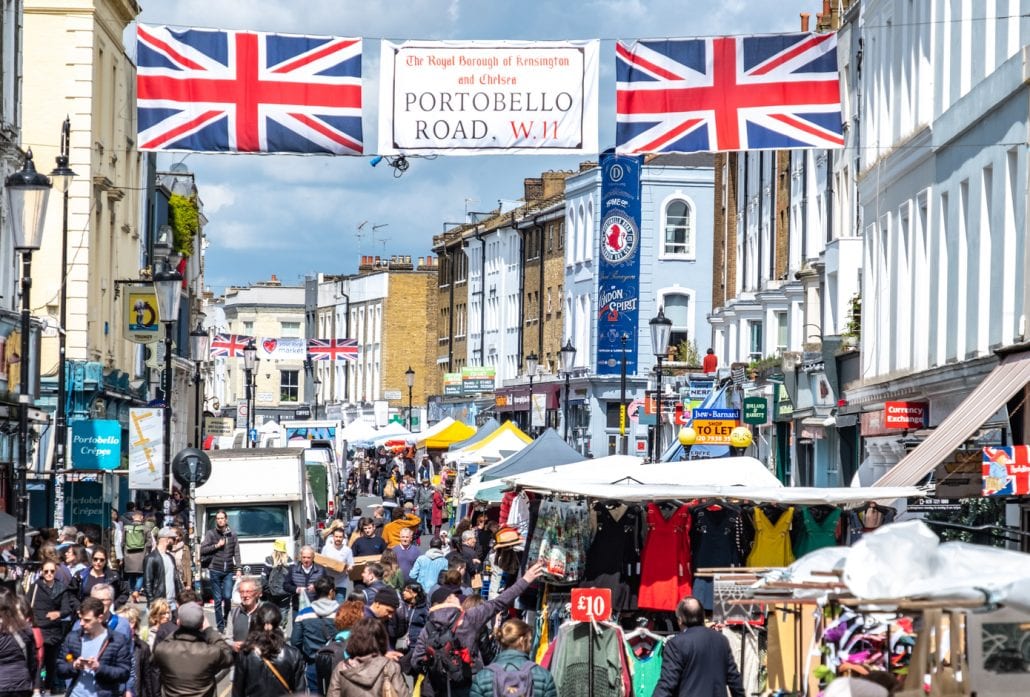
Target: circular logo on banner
618	239
616	173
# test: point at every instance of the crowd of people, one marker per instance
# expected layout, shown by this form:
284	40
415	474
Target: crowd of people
385	601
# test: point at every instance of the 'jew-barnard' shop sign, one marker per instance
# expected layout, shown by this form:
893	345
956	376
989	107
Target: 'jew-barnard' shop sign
488	97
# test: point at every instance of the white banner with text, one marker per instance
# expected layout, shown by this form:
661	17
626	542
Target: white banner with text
146	448
488	97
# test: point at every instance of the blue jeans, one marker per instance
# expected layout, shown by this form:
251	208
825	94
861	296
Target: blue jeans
312	676
221	590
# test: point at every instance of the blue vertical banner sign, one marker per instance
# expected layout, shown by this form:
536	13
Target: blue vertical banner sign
96	444
618	276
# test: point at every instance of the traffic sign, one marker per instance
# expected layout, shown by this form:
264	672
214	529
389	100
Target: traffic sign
591	604
756	410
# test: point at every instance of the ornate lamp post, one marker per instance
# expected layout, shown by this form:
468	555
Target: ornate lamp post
568	358
409	377
661	330
249	364
62	175
168	288
532	362
200	342
27	193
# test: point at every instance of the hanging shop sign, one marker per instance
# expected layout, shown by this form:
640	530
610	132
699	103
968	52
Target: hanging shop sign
618	273
486	97
140	321
218	426
96	444
905	414
713	426
1006	471
756	410
146	448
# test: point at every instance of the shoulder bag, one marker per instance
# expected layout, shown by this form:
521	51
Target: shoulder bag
277	674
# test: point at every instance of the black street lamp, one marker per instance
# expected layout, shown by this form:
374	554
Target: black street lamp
316	383
624	445
409	376
168	288
661	331
249	365
568	358
27	193
200	342
532	362
62	175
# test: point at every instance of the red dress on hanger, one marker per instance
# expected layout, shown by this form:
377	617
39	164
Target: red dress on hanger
665	573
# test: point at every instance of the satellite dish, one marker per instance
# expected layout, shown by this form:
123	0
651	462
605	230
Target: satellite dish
191	466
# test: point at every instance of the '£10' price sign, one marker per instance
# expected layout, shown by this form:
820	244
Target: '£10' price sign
591	604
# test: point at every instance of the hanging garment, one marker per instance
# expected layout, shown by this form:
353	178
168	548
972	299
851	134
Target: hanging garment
665	571
816	534
868	519
560	540
772	540
645	670
747	653
615	550
518	514
572	673
716	541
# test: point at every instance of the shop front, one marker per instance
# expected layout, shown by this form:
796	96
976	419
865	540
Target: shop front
531	415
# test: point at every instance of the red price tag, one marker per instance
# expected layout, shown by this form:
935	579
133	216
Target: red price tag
591	604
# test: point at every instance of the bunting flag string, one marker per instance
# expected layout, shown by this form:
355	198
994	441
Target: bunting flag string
284	349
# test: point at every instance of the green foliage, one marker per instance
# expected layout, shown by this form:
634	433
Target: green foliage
985	510
184	217
686	352
765	364
854	326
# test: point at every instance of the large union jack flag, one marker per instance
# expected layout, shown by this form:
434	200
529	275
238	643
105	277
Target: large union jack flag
333	349
728	93
237	91
228	345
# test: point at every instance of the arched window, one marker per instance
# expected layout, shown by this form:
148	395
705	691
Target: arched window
679	229
679	309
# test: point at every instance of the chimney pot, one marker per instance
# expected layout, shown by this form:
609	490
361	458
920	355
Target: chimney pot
804	21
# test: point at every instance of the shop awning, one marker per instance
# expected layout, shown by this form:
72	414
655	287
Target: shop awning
1000	385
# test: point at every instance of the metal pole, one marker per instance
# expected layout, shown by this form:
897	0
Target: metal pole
658	415
566	405
197	432
529	426
409	407
246	398
624	445
61	410
23	404
168	407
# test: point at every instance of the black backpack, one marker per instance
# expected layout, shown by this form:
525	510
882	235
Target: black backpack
326	660
276	581
486	645
446	661
513	683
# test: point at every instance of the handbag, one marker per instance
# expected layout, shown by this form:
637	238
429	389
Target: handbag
477	582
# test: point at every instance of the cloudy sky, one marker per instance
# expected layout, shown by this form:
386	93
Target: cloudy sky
293	216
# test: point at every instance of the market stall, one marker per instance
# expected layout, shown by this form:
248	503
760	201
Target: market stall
548	450
506	440
444	433
482	432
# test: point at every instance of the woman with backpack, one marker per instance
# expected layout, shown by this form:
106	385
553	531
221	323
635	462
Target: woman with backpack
273	579
335	650
367	672
100	572
266	665
446	652
512	672
18	660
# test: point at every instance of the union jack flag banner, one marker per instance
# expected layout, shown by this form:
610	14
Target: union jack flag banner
333	349
228	345
728	93
238	91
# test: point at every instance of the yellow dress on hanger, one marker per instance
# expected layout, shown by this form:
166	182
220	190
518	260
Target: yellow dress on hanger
772	545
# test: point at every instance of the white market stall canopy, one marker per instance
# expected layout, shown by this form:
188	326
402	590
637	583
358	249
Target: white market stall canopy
358	430
391	431
503	442
629	470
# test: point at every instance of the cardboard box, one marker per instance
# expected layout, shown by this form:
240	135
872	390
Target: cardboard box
359	565
330	563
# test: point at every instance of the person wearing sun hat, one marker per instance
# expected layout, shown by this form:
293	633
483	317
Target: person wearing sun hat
504	559
273	575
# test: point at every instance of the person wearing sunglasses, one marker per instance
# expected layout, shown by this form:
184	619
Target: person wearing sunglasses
51	603
99	572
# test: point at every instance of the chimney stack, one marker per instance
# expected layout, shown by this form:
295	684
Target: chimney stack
804	21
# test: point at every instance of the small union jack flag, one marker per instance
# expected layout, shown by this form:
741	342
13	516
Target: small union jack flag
333	349
728	93
229	345
238	91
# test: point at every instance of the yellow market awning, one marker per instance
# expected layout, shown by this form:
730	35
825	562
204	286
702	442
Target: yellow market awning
454	432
